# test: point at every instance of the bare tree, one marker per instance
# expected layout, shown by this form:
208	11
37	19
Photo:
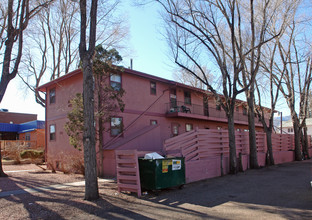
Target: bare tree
53	46
86	57
263	17
295	63
183	76
274	81
15	16
223	33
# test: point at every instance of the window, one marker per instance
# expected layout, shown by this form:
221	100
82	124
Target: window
218	107
115	81
173	99
188	127
175	129
290	130
237	108
52	95
153	88
27	136
187	97
244	110
153	122
116	126
52	133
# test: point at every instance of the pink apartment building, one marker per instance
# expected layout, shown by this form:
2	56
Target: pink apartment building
155	109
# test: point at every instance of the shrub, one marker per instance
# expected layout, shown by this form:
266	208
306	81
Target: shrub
32	154
12	151
73	164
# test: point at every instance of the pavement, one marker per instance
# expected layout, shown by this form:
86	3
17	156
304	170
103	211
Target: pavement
277	192
44	188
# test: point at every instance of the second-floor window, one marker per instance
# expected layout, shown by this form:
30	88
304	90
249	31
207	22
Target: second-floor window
218	107
187	97
153	88
244	110
52	133
116	126
52	95
115	81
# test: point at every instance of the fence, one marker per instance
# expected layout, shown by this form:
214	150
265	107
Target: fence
7	146
206	152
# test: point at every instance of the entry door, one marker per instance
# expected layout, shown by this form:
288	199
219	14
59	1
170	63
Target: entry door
173	98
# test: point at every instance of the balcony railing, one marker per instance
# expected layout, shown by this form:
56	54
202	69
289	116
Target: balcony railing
181	107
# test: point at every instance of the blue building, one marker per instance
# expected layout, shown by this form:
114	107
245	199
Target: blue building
10	131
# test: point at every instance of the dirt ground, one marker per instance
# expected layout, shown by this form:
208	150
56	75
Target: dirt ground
278	192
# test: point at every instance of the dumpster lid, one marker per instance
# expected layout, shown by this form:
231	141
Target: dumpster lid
153	155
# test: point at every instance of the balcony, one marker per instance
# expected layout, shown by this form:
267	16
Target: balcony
180	109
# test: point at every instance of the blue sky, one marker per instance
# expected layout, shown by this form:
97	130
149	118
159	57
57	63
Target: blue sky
149	56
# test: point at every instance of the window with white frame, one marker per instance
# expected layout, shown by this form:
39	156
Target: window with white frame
116	126
115	81
52	133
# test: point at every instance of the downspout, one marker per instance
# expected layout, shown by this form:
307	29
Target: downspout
46	130
133	122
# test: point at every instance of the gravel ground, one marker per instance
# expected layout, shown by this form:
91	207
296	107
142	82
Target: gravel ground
278	192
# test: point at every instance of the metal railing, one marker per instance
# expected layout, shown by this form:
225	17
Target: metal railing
200	110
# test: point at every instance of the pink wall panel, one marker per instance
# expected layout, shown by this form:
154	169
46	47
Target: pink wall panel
109	163
202	169
283	157
261	158
245	160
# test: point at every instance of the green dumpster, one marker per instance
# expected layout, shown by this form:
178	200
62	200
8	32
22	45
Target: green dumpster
161	173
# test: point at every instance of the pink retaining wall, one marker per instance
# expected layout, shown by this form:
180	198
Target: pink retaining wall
202	150
283	156
202	169
261	158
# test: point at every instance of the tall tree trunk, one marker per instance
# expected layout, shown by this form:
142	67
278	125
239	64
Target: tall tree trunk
232	145
268	133
2	174
4	81
306	143
91	186
297	139
252	130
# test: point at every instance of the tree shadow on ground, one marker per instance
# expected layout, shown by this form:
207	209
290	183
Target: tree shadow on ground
282	189
61	204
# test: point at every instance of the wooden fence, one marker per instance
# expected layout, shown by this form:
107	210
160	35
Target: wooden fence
206	152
